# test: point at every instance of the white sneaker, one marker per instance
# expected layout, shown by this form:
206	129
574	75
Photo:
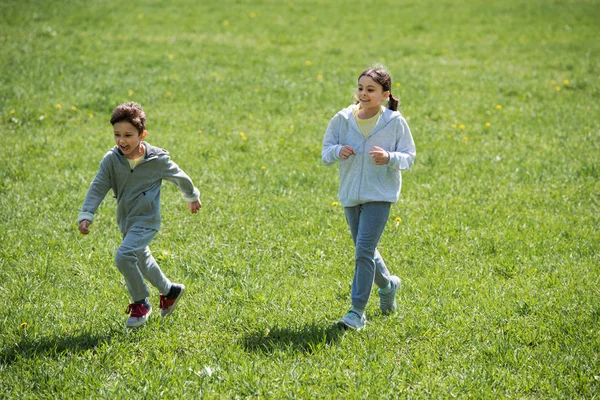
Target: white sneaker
353	321
387	301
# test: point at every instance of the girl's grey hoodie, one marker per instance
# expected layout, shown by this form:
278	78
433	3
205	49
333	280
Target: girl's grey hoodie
361	181
137	190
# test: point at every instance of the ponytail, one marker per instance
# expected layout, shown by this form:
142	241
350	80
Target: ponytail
393	103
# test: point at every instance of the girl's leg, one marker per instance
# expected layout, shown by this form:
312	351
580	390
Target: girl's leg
382	275
367	222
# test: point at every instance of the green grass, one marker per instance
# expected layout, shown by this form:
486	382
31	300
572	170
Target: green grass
498	247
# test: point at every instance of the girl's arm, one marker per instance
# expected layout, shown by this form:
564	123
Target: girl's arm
330	153
404	154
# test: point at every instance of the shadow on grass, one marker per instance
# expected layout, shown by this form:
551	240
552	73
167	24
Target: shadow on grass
53	346
305	339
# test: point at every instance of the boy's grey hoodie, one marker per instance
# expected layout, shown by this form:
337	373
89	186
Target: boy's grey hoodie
137	190
361	180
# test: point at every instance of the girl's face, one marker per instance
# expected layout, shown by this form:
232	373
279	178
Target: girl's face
370	94
128	139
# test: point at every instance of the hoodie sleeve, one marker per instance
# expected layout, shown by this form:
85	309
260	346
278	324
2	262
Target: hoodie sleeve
330	153
404	154
175	175
97	191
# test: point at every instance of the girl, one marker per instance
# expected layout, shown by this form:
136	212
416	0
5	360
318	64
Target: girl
372	145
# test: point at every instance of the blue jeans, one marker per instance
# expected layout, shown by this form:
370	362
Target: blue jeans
367	222
135	262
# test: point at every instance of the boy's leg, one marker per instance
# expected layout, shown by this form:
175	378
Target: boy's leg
151	271
366	222
126	260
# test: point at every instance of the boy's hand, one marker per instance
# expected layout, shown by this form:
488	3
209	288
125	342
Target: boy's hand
346	152
194	206
84	227
380	156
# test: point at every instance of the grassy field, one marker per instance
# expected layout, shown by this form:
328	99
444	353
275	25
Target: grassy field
496	236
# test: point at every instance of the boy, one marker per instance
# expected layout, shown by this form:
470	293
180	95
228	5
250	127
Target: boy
134	170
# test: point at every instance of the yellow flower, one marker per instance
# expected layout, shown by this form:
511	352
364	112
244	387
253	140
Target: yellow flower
398	220
263	167
335	204
488	124
566	81
91	116
243	136
171	56
252	15
319	76
12	112
73	108
498	107
453	126
23	325
226	23
308	63
397	84
130	92
58	106
168	94
200	131
461	126
558	88
465	139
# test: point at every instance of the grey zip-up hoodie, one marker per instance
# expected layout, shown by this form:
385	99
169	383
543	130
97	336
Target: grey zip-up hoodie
361	180
137	190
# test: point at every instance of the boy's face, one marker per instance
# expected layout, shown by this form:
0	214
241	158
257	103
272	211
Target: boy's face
370	93
129	139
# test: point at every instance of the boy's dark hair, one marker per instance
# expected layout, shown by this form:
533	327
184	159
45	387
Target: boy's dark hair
132	113
381	76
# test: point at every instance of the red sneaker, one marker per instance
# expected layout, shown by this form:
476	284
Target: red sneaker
138	314
168	304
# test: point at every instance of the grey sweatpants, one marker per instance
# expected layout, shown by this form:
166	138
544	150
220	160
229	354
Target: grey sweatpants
135	262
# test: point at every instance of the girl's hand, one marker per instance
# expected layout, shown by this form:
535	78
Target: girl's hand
380	156
84	227
194	206
346	152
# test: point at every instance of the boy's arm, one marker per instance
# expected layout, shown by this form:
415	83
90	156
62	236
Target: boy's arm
176	175
95	194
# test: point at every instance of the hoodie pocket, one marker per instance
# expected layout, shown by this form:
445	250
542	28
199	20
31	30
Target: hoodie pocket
143	205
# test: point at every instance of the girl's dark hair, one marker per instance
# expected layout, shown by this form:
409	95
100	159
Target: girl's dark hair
381	76
132	113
